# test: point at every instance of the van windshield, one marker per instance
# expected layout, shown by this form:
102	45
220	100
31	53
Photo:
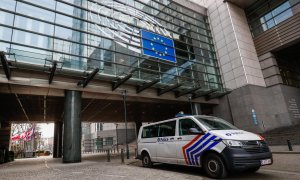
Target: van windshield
214	123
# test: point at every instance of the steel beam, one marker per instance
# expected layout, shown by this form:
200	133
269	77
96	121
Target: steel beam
5	65
146	85
205	93
89	77
52	71
189	91
119	82
218	94
161	91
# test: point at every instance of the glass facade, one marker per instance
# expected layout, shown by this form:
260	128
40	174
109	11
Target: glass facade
265	14
86	34
288	62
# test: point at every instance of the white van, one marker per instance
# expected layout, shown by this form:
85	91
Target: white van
203	141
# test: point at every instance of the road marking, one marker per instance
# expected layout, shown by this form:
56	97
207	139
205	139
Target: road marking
46	164
279	171
49	167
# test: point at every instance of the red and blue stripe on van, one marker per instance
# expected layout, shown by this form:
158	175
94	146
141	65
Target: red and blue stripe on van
193	150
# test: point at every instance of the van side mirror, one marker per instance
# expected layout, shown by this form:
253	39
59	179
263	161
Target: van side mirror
195	131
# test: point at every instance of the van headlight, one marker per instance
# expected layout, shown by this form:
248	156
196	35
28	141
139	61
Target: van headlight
233	143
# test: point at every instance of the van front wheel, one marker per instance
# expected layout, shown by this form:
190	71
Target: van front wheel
146	161
214	166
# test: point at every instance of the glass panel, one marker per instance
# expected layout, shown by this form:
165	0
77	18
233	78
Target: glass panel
214	123
283	16
8	4
167	129
70	35
32	39
6	18
65	20
70	47
264	16
4	47
30	55
45	3
71	62
71	10
185	125
5	33
35	12
109	141
33	25
150	131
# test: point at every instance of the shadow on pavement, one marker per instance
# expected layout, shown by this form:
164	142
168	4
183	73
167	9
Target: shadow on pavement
200	172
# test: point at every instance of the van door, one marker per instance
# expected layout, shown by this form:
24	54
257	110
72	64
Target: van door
149	140
166	145
185	141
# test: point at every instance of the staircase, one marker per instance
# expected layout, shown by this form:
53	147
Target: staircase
281	135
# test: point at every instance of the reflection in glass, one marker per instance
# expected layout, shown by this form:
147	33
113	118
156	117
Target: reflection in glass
78	43
35	12
33	25
6	18
5	33
31	39
30	55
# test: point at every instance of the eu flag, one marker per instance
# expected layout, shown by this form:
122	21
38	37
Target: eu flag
158	46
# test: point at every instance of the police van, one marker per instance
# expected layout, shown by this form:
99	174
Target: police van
202	141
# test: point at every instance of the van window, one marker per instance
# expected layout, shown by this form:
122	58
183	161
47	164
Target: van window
167	129
150	131
185	125
214	123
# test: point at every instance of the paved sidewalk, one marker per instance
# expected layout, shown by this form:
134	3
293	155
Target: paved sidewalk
95	166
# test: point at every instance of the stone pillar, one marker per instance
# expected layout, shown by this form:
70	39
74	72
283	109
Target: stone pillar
5	130
57	143
72	127
196	108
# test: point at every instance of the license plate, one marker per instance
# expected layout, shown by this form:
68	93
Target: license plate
265	161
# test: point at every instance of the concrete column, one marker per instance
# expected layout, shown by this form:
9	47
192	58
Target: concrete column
72	127
5	131
57	144
196	108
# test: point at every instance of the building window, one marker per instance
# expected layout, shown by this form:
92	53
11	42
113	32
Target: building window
99	127
99	143
109	141
167	129
266	14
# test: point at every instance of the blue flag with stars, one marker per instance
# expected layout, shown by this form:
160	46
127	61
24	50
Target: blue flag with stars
158	46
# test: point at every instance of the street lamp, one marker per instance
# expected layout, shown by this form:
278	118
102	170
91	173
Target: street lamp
191	104
117	137
124	93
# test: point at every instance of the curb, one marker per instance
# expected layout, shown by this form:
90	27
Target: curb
285	152
131	161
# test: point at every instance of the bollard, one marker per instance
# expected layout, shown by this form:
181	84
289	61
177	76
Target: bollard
135	152
122	155
108	156
289	145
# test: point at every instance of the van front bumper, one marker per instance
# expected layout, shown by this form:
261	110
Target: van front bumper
238	159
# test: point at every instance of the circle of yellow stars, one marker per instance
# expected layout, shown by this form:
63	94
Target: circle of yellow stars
157	39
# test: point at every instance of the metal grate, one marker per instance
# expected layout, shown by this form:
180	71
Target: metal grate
256	146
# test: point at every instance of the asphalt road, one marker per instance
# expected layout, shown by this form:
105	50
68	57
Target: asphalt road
286	166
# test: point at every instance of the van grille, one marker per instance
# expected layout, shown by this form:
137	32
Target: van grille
256	146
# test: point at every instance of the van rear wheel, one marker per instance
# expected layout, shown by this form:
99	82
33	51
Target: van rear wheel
146	161
214	166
